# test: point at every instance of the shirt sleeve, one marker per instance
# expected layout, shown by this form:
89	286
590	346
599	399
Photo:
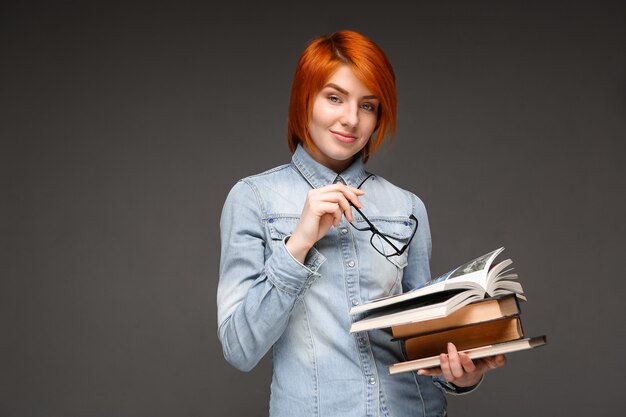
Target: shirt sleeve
255	295
417	272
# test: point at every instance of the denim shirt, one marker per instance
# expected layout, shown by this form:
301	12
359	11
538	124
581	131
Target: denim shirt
269	300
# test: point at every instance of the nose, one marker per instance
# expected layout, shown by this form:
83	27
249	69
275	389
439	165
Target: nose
350	115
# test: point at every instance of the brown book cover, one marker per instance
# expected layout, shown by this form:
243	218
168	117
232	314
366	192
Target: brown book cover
481	311
466	337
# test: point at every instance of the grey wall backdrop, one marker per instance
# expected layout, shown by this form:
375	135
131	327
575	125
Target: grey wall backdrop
123	127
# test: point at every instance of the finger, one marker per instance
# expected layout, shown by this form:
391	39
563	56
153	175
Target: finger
330	209
325	204
337	218
500	360
356	190
357	193
350	193
344	200
467	364
327	207
430	371
445	367
455	362
493	362
328	197
345	208
338	198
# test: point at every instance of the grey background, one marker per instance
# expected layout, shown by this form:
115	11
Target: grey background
123	126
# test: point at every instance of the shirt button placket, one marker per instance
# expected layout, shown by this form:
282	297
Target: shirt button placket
352	287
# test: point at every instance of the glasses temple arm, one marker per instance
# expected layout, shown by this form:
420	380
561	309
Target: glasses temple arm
373	228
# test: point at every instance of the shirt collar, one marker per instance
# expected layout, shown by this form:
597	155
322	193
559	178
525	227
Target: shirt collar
317	175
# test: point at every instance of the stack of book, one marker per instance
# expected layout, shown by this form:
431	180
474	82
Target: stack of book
475	306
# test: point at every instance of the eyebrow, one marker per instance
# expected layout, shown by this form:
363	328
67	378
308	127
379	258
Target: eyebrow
343	91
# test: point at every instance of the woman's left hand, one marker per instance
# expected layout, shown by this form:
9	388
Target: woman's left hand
457	368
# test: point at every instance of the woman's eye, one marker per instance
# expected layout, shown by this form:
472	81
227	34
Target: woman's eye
334	99
368	107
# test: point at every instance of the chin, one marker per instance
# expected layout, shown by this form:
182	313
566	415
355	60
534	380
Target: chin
343	156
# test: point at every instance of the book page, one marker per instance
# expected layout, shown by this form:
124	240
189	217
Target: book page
469	276
475	271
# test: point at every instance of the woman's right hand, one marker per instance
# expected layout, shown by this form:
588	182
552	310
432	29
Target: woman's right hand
323	208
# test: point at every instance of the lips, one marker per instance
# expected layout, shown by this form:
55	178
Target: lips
343	137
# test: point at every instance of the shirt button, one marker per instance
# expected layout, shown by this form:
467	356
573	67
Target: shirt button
355	302
351	264
362	342
372	380
344	230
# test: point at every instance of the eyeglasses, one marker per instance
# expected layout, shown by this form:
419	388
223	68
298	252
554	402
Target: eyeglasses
380	241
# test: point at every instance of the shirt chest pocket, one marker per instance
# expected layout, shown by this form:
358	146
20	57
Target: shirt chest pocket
394	235
279	227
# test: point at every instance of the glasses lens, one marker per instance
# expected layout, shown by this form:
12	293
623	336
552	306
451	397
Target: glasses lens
390	246
385	245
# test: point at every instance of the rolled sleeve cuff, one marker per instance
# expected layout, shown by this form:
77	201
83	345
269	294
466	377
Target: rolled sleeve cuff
450	388
288	274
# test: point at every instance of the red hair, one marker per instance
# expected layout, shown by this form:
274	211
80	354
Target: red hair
321	58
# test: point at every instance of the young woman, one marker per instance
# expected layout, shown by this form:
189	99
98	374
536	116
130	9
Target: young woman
296	256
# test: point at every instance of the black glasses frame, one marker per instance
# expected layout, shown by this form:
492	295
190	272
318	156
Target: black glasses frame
376	232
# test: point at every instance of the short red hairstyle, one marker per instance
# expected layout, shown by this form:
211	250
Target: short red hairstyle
319	61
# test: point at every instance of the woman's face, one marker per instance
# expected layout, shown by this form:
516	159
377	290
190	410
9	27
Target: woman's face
343	118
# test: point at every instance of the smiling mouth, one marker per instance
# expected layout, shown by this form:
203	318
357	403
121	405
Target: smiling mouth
344	137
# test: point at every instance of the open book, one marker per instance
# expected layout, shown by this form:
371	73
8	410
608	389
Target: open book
468	283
